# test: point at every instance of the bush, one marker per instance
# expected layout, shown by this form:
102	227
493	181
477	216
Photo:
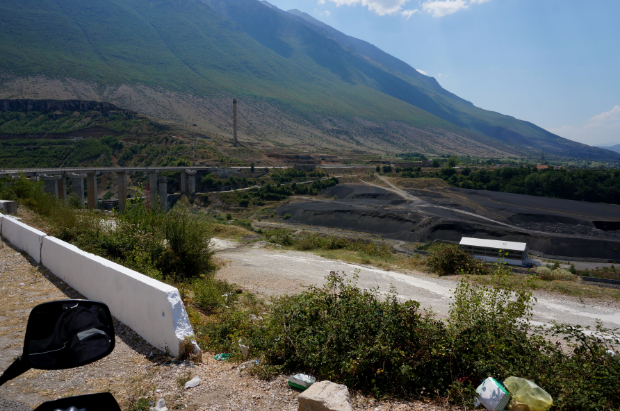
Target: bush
353	336
448	259
546	273
211	295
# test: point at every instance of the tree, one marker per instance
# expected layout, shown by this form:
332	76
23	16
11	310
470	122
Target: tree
435	163
378	169
252	168
453	161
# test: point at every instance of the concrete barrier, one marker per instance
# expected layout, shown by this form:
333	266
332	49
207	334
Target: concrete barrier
23	237
151	308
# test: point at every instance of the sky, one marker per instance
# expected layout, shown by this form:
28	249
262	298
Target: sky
555	63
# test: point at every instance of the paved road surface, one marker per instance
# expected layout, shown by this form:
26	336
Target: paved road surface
274	272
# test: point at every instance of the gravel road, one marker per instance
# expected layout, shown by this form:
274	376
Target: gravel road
270	271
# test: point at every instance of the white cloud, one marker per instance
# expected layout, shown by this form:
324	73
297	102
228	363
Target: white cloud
440	8
380	7
422	72
602	128
408	13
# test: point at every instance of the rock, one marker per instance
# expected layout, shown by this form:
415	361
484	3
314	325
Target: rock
196	354
251	237
260	244
192	383
325	396
160	406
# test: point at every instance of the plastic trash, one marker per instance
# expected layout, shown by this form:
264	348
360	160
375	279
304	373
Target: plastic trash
527	396
245	350
301	381
248	365
160	406
223	356
492	395
192	383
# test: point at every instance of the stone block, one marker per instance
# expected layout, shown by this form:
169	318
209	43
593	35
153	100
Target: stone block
8	207
325	396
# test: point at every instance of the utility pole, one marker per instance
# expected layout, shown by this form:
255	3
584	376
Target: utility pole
235	143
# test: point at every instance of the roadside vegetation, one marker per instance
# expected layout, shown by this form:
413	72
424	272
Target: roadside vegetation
371	342
600	186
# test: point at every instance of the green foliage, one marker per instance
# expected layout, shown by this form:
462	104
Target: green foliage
448	259
546	273
211	294
583	185
170	245
354	336
141	404
269	192
453	161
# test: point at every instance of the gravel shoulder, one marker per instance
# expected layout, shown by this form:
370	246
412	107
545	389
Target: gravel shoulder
271	271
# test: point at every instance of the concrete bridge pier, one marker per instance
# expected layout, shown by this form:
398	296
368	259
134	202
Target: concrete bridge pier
191	177
51	184
62	187
77	185
121	182
183	182
91	190
153	200
163	192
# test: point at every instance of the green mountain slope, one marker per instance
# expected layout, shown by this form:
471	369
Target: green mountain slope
144	54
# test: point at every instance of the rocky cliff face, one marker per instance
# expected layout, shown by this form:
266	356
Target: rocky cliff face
47	106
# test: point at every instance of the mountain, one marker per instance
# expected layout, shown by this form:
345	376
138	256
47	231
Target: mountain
300	84
615	148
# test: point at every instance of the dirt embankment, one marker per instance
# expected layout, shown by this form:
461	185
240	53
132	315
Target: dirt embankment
550	226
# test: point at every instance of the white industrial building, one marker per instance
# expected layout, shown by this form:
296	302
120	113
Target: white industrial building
489	250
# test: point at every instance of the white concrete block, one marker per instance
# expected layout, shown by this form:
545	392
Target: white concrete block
325	396
151	308
23	237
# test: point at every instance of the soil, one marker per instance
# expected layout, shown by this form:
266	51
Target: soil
551	226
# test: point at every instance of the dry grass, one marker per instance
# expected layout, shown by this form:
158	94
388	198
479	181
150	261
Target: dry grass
394	262
231	232
570	288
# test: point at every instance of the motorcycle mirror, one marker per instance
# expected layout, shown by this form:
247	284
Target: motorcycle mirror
67	334
91	402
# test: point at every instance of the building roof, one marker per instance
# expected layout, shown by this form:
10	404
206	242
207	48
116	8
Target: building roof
499	244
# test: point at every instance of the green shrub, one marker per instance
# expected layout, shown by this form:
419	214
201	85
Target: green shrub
546	273
354	336
286	216
211	294
447	259
228	216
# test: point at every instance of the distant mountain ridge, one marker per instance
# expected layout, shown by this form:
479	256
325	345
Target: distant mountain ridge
615	148
301	84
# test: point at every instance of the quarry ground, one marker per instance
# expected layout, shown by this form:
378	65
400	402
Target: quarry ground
402	209
270	271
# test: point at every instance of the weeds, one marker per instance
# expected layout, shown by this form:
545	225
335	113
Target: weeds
448	259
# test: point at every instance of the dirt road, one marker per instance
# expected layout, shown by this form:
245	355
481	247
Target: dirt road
273	272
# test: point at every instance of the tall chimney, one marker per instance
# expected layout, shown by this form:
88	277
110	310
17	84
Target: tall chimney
235	143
